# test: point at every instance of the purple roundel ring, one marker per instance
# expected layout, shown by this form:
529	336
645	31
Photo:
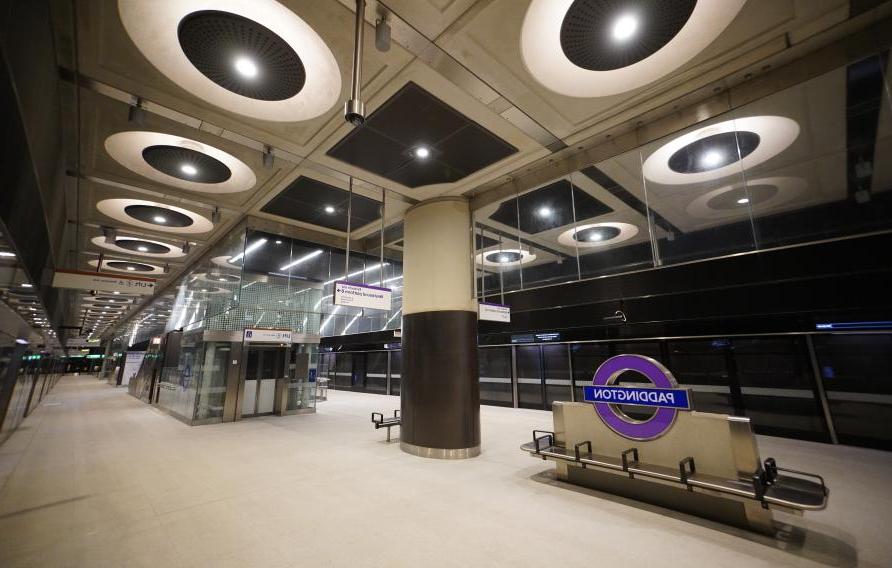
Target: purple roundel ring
653	427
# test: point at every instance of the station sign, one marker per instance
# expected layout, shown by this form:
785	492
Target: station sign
664	395
357	295
267	336
103	282
494	312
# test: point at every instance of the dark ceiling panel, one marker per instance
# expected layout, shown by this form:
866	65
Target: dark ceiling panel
549	207
306	200
412	118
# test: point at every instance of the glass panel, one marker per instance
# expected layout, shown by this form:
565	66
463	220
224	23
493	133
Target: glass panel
343	378
530	387
857	375
702	366
556	366
587	357
495	376
376	372
212	390
778	388
396	366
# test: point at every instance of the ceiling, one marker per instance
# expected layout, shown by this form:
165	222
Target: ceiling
264	134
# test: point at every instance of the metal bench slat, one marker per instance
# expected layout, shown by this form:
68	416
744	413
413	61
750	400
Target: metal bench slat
733	486
655	471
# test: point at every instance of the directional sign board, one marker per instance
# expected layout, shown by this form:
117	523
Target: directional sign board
494	312
359	295
104	282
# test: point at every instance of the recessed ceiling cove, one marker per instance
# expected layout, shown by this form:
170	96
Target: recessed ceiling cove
757	196
594	235
720	150
505	257
154	216
140	246
416	139
257	59
180	162
135	268
597	48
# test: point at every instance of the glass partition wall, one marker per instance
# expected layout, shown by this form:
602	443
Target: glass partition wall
804	164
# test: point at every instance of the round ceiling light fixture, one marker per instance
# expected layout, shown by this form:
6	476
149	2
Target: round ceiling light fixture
257	59
505	257
722	149
758	195
155	216
180	162
140	246
593	235
597	48
143	269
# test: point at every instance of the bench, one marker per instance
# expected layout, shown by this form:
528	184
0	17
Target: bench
796	490
707	465
380	421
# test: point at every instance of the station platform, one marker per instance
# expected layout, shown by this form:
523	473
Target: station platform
94	477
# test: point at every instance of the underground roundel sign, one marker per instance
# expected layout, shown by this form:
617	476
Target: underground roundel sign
664	396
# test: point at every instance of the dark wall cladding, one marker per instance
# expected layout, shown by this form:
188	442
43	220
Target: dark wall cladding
32	202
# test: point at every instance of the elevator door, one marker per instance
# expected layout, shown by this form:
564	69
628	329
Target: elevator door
263	367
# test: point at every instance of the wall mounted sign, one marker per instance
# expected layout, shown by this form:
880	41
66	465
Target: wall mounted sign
494	312
665	396
535	337
359	295
103	282
267	336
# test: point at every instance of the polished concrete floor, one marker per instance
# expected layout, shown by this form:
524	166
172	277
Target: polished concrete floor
96	478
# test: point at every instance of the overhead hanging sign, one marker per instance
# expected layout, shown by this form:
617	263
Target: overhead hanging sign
494	312
267	336
103	282
358	295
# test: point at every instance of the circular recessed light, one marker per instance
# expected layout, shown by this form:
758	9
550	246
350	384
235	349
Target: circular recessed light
142	249
180	162
758	195
148	215
505	257
240	56
329	209
544	211
597	48
127	266
593	235
625	27
718	150
139	246
422	152
246	67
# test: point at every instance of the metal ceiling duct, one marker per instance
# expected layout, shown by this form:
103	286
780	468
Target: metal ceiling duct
354	109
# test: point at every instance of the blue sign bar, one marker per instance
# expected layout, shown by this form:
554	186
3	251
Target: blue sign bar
639	396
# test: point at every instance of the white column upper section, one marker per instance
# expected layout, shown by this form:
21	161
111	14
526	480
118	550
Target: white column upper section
437	257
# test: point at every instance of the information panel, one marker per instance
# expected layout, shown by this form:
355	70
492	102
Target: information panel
494	312
103	282
267	336
359	295
639	396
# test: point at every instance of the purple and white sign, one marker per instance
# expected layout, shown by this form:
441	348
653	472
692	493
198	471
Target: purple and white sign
664	396
494	312
359	295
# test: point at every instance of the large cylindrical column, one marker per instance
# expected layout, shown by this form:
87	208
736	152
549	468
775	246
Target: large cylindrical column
439	386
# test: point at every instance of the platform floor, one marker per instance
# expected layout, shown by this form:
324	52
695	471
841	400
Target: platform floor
96	478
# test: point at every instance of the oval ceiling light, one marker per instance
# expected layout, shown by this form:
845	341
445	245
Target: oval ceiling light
720	150
257	59
134	268
597	48
737	200
180	162
505	257
593	235
140	246
155	216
